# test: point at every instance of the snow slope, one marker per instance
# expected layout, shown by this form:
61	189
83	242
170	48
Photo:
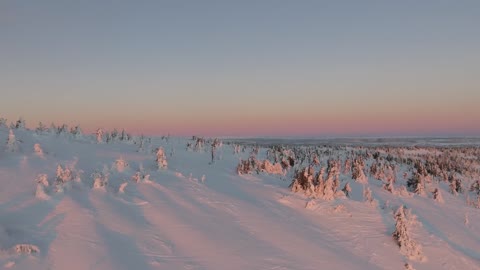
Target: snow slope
197	215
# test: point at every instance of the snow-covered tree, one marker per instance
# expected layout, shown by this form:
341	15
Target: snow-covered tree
99	135
417	183
357	171
20	124
347	189
367	195
402	237
76	132
63	174
141	144
453	187
3	122
215	145
389	185
41	128
100	180
38	150
475	187
121	164
62	130
161	159
114	135
320	183
328	190
303	181
347	166
12	143
437	195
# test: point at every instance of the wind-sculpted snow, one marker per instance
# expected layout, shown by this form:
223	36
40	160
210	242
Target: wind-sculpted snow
74	201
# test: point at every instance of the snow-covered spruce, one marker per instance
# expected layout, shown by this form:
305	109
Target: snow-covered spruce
402	237
161	159
437	195
368	196
38	150
42	184
357	171
12	143
99	135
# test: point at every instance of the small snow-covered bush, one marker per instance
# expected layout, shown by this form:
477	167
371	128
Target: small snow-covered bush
122	187
140	177
100	180
25	249
310	204
121	164
40	192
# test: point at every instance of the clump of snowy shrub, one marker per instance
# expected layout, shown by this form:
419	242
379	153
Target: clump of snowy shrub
269	168
248	166
314	185
25	249
140	177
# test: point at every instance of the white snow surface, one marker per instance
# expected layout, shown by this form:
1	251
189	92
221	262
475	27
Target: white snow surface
202	215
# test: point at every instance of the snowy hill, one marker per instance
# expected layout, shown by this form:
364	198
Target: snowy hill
71	202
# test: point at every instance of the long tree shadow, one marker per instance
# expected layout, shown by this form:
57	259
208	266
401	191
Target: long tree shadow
122	249
31	224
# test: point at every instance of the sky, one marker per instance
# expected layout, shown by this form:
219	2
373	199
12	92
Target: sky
244	68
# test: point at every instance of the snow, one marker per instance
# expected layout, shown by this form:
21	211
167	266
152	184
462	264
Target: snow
88	204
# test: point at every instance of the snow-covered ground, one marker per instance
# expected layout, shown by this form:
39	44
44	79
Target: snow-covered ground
195	214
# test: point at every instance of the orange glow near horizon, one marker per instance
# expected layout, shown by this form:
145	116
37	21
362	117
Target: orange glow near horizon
305	122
